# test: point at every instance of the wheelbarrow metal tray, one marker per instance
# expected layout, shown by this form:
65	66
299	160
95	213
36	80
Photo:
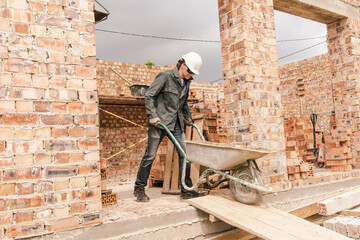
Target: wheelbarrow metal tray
219	156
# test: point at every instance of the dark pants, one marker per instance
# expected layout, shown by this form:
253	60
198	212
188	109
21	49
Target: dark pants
156	135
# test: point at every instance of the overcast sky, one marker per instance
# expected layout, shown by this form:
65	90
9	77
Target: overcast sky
188	19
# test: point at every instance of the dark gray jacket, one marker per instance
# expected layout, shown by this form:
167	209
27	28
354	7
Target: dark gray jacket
164	100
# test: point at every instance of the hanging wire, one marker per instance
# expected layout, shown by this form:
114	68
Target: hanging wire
151	36
301	50
300	39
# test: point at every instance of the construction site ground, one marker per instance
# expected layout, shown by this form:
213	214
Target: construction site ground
169	217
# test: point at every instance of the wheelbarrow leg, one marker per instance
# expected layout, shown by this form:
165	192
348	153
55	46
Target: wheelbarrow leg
253	174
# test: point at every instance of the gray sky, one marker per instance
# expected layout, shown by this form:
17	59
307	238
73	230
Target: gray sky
188	19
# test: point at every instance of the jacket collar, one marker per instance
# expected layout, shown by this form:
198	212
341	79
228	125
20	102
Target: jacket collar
175	72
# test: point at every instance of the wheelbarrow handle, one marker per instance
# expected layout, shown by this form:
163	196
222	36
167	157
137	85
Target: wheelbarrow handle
177	146
198	131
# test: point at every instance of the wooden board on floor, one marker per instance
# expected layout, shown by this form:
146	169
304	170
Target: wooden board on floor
263	221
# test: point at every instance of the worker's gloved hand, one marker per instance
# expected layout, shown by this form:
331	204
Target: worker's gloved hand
188	121
154	121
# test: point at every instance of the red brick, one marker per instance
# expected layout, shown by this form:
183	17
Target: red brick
75	107
6	161
7	189
91	108
3	145
94	206
25	106
44	186
22	80
3	205
20	66
86	119
90	194
60	171
77	208
92	132
21	217
63	224
59	107
76	132
85	72
6	219
25	188
43	214
20	119
36	6
21	28
53	44
59	145
23	174
56	119
42	159
21	203
77	157
61	185
89	144
87	169
91	219
61	158
18	231
24	160
40	81
42	106
28	146
59	132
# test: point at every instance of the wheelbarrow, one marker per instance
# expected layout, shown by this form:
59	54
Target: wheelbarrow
244	180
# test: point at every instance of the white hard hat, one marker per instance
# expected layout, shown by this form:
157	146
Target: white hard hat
193	61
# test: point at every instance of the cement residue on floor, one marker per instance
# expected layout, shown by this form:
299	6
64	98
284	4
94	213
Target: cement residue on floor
128	208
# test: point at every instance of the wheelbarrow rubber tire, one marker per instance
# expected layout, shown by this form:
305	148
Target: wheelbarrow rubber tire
241	192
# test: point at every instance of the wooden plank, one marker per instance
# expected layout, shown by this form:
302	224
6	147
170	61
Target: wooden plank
236	234
305	211
263	221
175	173
167	168
195	168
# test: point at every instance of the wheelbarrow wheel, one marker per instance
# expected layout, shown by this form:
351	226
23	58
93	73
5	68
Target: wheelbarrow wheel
241	192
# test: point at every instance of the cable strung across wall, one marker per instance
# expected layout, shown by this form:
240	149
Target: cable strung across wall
191	40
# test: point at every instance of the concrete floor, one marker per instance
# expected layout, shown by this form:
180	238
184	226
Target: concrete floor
164	217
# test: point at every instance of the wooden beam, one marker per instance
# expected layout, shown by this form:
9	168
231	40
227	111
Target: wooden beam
263	221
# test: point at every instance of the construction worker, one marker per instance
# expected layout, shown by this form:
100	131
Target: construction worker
166	102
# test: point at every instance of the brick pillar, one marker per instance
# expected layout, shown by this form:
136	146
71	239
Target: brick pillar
251	86
344	53
49	141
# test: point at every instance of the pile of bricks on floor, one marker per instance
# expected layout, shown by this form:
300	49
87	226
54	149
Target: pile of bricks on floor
335	150
300	147
338	150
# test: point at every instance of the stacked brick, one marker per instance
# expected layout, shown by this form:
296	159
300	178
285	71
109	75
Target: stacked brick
49	147
338	150
299	147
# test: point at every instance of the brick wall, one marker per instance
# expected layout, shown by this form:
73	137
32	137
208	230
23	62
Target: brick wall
49	147
251	86
116	135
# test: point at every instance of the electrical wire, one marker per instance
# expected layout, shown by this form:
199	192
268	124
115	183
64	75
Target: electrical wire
301	50
151	36
192	40
300	39
215	80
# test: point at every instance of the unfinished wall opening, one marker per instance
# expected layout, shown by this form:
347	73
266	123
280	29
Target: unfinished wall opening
307	89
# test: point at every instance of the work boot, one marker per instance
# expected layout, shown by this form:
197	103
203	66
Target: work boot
140	195
187	194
